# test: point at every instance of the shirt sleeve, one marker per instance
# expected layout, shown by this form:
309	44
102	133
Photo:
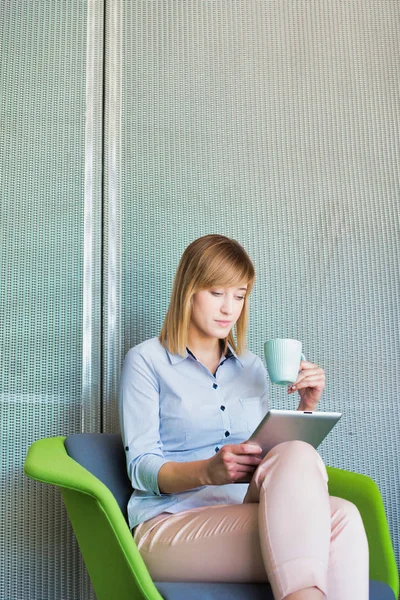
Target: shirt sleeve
139	420
264	399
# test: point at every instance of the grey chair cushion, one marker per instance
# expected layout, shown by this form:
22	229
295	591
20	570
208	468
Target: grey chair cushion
103	455
380	591
215	591
244	591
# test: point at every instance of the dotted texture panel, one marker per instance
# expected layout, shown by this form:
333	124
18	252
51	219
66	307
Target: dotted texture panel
276	123
42	161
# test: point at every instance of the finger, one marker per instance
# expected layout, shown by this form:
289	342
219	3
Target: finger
306	365
314	373
247	448
310	376
245	459
244	476
314	383
246	468
240	472
310	371
233	461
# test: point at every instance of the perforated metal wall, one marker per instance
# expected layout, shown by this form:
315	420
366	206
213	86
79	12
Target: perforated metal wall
276	123
50	276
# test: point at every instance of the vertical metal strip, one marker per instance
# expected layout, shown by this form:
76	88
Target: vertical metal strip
91	334
112	350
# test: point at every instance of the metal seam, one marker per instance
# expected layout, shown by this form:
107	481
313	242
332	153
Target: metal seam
92	223
112	351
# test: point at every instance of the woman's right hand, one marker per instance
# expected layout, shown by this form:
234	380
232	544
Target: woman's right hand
233	463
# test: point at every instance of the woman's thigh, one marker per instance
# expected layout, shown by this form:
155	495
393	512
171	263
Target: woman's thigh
212	543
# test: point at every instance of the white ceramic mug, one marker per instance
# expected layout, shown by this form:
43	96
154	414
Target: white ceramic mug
283	358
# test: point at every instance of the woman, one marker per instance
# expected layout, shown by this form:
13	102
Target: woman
189	400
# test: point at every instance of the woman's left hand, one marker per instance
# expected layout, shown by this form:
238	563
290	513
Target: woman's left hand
310	384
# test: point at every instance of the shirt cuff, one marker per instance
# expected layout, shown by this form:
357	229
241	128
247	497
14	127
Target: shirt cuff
144	474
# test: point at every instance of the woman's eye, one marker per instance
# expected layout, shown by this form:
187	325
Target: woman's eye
240	297
216	293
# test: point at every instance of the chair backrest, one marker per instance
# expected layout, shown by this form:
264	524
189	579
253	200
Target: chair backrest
103	455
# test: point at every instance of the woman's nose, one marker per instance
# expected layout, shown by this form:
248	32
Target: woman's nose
227	306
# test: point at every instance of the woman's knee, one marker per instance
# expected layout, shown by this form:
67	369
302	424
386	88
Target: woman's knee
294	450
294	462
345	513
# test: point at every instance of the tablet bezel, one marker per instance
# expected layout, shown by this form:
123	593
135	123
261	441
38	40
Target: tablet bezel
280	425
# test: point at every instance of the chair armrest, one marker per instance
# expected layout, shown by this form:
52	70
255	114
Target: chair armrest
111	556
364	493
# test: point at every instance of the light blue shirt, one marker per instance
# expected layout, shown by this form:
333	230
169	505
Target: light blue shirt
173	409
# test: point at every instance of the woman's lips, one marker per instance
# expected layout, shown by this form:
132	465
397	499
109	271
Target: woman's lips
223	323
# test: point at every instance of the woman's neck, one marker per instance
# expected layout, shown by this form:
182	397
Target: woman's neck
207	351
201	347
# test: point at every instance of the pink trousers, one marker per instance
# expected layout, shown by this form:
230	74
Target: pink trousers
288	531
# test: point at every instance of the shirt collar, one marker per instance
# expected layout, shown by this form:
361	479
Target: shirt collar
230	352
177	358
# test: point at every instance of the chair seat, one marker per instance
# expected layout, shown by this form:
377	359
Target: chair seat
215	591
244	591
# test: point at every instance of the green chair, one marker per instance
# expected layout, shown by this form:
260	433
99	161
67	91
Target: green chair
91	473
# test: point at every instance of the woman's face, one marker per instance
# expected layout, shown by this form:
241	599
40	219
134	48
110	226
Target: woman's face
215	311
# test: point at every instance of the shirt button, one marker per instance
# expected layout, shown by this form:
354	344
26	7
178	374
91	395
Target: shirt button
227	434
222	407
127	448
215	386
216	449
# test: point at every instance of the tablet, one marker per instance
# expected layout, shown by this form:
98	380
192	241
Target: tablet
286	425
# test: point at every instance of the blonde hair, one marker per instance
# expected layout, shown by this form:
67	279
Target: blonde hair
212	260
